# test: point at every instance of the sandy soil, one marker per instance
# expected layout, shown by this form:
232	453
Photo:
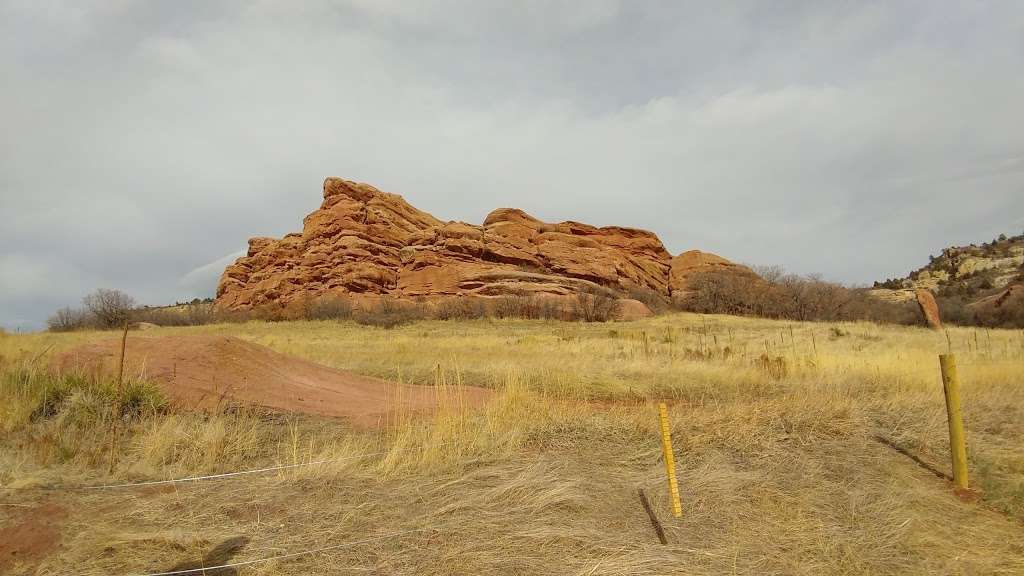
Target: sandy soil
203	371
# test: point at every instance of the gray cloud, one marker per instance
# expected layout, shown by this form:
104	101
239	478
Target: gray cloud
144	142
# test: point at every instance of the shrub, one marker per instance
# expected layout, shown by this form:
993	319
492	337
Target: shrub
953	310
864	306
329	308
461	308
193	314
789	296
1006	312
527	306
514	306
714	293
389	313
596	305
654	301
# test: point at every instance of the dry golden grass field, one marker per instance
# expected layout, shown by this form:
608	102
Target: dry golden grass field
782	466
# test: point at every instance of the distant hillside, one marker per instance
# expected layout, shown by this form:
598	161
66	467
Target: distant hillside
970	273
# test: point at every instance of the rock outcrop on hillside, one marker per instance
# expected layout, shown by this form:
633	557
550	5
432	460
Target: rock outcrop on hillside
363	242
972	273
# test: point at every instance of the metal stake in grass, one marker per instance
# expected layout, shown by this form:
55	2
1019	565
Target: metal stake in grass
670	462
117	401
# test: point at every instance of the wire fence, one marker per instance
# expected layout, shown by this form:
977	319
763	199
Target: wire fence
224	475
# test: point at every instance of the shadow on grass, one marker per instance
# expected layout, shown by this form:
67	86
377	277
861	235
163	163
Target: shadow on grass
219	556
914	457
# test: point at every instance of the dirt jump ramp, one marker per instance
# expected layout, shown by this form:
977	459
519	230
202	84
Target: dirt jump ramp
204	371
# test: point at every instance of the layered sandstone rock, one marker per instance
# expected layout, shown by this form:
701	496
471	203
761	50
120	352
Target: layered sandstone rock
363	243
691	264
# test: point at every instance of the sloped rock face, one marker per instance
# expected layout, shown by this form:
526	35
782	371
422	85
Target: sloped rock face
364	242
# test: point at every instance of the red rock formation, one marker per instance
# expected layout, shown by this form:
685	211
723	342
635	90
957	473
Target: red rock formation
929	308
365	242
690	264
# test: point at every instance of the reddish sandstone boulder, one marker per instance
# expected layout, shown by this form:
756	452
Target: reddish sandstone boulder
363	242
630	310
688	265
929	308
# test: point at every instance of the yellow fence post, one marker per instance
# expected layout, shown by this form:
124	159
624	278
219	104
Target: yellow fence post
670	462
957	446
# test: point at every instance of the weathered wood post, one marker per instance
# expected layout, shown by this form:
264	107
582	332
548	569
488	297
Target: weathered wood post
117	401
957	445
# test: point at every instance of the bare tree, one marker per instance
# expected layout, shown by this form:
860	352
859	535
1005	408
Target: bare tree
596	305
110	308
67	319
770	274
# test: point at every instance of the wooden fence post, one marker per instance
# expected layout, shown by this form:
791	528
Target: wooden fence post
957	445
117	401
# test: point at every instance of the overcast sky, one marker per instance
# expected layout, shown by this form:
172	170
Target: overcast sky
142	143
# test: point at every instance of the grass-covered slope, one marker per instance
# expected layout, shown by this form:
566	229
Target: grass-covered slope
775	426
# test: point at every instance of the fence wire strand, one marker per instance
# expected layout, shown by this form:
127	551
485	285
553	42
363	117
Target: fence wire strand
221	475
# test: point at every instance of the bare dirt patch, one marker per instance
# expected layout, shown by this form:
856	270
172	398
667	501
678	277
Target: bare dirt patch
28	535
204	371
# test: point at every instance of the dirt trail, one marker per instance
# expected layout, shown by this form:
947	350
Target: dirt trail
201	371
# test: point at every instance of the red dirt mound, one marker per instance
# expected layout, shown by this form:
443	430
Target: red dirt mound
29	534
202	371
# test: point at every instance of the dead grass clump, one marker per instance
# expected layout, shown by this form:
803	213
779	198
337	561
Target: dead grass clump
65	418
776	367
183	443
